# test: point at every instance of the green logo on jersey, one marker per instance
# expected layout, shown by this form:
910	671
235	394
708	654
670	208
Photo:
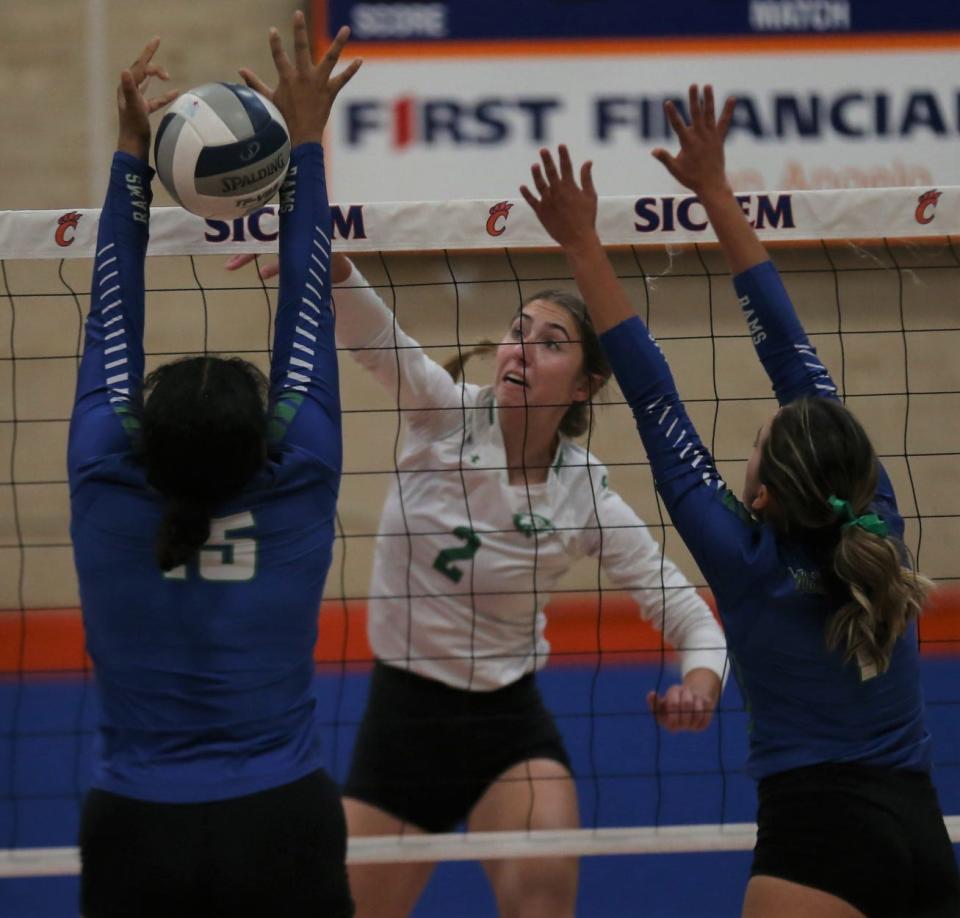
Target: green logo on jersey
529	523
730	501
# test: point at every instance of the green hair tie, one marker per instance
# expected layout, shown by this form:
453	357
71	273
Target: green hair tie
869	521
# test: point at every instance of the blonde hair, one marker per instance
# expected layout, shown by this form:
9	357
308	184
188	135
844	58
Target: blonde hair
816	450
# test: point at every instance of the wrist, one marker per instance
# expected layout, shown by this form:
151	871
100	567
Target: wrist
712	193
705	682
135	146
583	246
306	137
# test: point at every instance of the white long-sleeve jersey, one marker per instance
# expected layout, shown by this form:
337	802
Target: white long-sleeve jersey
465	561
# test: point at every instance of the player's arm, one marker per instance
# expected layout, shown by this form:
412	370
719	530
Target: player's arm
368	329
781	343
110	378
715	527
633	561
304	387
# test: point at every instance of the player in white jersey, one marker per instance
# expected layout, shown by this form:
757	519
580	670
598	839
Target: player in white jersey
492	503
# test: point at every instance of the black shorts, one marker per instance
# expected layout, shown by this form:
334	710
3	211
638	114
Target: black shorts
872	836
278	852
427	753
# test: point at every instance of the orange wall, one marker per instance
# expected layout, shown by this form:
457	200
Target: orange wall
51	640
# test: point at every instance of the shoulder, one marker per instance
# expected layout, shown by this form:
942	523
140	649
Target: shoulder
730	502
578	468
482	414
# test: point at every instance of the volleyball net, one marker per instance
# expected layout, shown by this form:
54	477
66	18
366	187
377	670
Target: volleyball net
875	276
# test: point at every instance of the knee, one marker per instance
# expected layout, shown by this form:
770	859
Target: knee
537	889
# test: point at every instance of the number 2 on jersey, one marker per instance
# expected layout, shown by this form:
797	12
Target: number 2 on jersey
446	557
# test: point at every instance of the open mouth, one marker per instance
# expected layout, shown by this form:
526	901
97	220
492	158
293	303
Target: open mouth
515	379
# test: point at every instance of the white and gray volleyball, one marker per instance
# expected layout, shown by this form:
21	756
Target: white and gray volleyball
222	150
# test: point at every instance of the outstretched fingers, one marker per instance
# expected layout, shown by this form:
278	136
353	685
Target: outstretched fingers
693	101
158	102
345	76
566	166
129	92
586	178
726	116
709	112
332	55
540	183
530	198
280	59
680	127
549	166
301	43
255	83
668	161
139	68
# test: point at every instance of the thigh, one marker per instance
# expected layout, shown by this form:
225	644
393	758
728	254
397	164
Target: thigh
387	890
406	757
280	851
283	851
426	753
137	858
536	794
936	879
855	832
768	896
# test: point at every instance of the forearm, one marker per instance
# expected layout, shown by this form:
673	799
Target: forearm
787	356
114	328
738	239
598	284
304	321
111	370
303	374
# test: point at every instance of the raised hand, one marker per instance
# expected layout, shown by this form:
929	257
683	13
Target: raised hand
236	262
567	211
340	266
133	106
305	91
700	163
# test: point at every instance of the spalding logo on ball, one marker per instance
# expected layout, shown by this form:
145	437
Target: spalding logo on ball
222	150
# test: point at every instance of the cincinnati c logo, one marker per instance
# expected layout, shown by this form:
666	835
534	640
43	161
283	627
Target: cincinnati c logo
926	203
501	209
67	224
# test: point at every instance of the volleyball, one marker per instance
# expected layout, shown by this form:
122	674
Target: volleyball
222	150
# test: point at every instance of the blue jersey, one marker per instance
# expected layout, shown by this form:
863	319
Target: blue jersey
205	673
807	706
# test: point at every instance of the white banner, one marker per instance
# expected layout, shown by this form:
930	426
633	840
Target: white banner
434	127
659	220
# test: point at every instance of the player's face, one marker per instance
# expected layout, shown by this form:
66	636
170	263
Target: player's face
540	360
751	484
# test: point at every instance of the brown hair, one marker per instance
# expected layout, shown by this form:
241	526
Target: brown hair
577	419
817	449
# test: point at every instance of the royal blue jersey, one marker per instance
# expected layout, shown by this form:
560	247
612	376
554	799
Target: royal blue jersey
205	673
807	706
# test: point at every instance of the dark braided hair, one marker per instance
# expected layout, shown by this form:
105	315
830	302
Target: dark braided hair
204	438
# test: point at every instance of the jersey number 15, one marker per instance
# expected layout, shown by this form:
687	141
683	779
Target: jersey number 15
226	555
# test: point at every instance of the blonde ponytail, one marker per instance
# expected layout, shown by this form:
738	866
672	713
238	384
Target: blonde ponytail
815	451
885	598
